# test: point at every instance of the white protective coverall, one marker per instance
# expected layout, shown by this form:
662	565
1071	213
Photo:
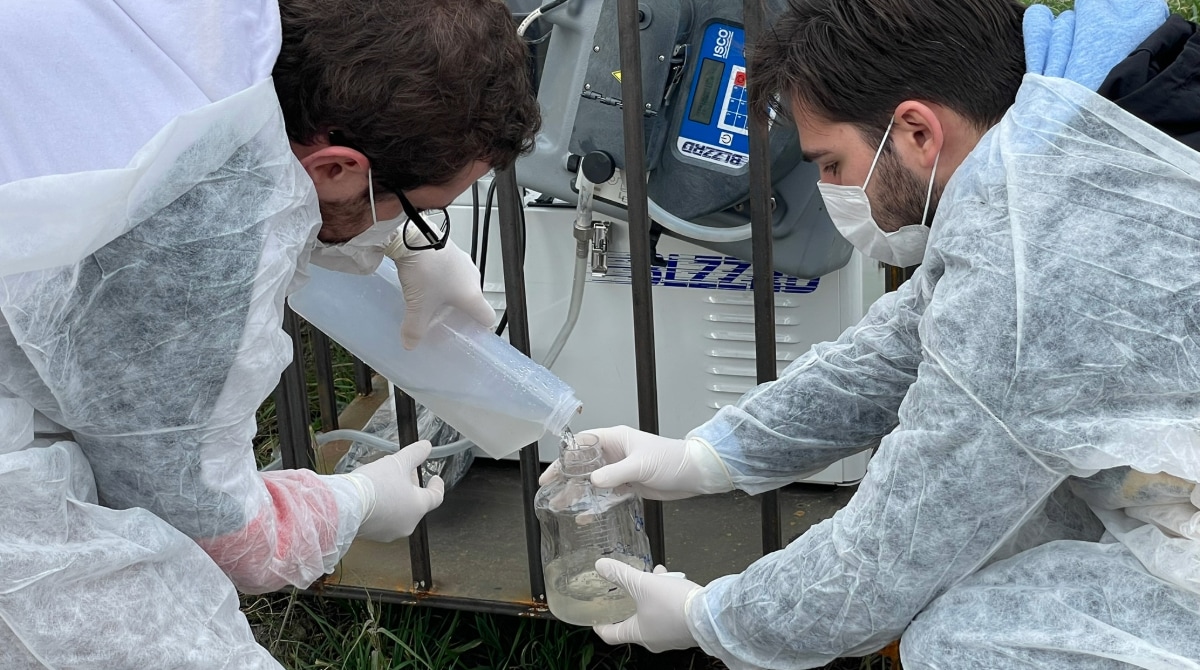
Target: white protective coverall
152	216
1039	375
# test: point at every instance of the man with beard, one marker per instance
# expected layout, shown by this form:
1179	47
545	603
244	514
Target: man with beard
1032	391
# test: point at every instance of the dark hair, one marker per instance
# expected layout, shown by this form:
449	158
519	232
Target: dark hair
421	87
854	61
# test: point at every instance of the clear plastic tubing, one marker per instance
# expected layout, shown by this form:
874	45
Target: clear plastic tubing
475	381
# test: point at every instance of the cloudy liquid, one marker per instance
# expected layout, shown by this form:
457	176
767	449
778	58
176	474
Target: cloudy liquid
584	598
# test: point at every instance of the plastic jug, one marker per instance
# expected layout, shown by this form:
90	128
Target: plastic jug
461	371
582	523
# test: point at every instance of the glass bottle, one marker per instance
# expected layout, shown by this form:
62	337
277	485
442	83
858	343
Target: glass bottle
580	524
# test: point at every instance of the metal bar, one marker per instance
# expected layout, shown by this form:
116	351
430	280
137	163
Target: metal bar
362	377
418	542
535	610
517	310
639	244
761	218
291	402
893	276
326	392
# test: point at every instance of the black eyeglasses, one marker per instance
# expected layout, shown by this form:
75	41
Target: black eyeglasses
437	234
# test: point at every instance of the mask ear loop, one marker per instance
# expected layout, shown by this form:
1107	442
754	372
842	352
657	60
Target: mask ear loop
879	152
929	193
371	195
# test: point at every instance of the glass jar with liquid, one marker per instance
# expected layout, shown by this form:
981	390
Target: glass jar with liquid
582	523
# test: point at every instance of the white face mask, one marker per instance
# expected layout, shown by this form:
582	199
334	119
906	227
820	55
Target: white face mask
850	211
362	253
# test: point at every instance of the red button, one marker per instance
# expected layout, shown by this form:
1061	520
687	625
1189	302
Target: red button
739	79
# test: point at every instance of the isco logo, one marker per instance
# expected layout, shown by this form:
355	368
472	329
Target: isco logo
724	39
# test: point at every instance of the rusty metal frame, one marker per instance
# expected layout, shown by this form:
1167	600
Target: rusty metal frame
292	400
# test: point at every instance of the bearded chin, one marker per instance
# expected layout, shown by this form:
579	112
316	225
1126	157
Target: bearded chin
901	195
342	220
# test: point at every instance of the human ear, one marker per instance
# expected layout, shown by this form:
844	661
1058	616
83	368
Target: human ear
339	173
917	134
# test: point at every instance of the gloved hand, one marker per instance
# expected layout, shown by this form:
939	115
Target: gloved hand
432	279
660	623
658	468
393	500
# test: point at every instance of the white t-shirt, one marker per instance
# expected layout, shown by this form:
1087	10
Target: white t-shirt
85	83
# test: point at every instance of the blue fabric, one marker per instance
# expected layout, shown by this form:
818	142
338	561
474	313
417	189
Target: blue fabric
1084	44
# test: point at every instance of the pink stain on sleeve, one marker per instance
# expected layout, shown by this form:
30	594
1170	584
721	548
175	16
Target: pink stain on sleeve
286	542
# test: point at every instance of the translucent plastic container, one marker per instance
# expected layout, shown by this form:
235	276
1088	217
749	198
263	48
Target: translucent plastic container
475	381
581	524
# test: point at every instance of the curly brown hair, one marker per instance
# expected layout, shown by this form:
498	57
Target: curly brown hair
421	87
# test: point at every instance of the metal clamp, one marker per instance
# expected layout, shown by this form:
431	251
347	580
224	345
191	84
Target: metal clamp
600	232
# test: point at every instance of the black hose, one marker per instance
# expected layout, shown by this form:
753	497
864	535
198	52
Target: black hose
521	218
550	5
487	227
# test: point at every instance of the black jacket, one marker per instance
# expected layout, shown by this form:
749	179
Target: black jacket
1160	81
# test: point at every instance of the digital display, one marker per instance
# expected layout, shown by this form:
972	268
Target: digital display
708	86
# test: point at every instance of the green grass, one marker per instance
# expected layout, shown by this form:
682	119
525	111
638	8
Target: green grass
310	633
307	633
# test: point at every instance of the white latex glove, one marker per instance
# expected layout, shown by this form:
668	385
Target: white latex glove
393	500
658	468
432	279
660	623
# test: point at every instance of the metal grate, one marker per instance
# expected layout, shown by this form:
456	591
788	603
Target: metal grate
730	322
